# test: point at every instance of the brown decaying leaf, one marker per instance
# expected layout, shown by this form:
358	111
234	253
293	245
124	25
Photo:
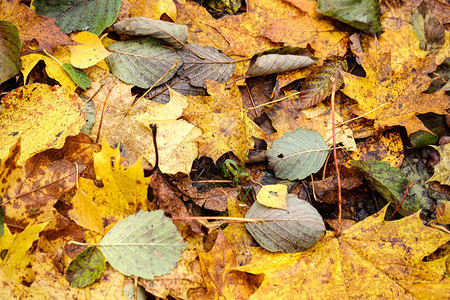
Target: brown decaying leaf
47	176
161	93
169	200
33	27
318	85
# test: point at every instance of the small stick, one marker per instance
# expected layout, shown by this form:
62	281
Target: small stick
338	229
410	184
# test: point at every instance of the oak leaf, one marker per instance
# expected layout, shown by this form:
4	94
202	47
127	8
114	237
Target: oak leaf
372	259
393	94
224	121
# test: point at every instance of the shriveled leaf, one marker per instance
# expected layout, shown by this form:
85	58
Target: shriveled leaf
161	93
318	86
297	154
78	76
213	66
143	61
174	34
390	183
229	6
72	15
42	115
296	229
86	268
442	169
363	15
9	50
279	60
146	244
443	212
373	259
273	196
427	27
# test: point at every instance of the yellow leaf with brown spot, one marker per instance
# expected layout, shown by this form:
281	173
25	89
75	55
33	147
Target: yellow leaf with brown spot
42	115
373	259
10	173
273	195
224	121
89	53
116	193
52	67
392	94
17	260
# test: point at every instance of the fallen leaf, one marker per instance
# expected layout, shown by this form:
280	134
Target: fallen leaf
11	174
87	267
115	194
223	120
220	279
442	169
71	16
171	33
443	213
320	34
430	31
153	8
42	115
33	27
16	262
9	50
273	196
368	260
89	53
393	94
53	69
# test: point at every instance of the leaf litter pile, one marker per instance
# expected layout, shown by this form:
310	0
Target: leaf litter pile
224	149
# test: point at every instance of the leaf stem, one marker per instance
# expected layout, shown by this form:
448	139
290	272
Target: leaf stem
333	122
410	184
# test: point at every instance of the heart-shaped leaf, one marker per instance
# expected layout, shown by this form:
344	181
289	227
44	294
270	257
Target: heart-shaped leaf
146	244
297	154
296	229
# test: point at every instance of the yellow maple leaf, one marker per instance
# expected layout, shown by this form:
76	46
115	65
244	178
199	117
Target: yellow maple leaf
42	115
52	67
15	264
153	9
117	193
372	259
89	53
224	121
393	94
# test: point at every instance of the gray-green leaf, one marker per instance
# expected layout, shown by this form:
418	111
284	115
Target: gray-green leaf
9	50
80	15
142	62
146	244
297	229
297	154
87	267
279	60
174	34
